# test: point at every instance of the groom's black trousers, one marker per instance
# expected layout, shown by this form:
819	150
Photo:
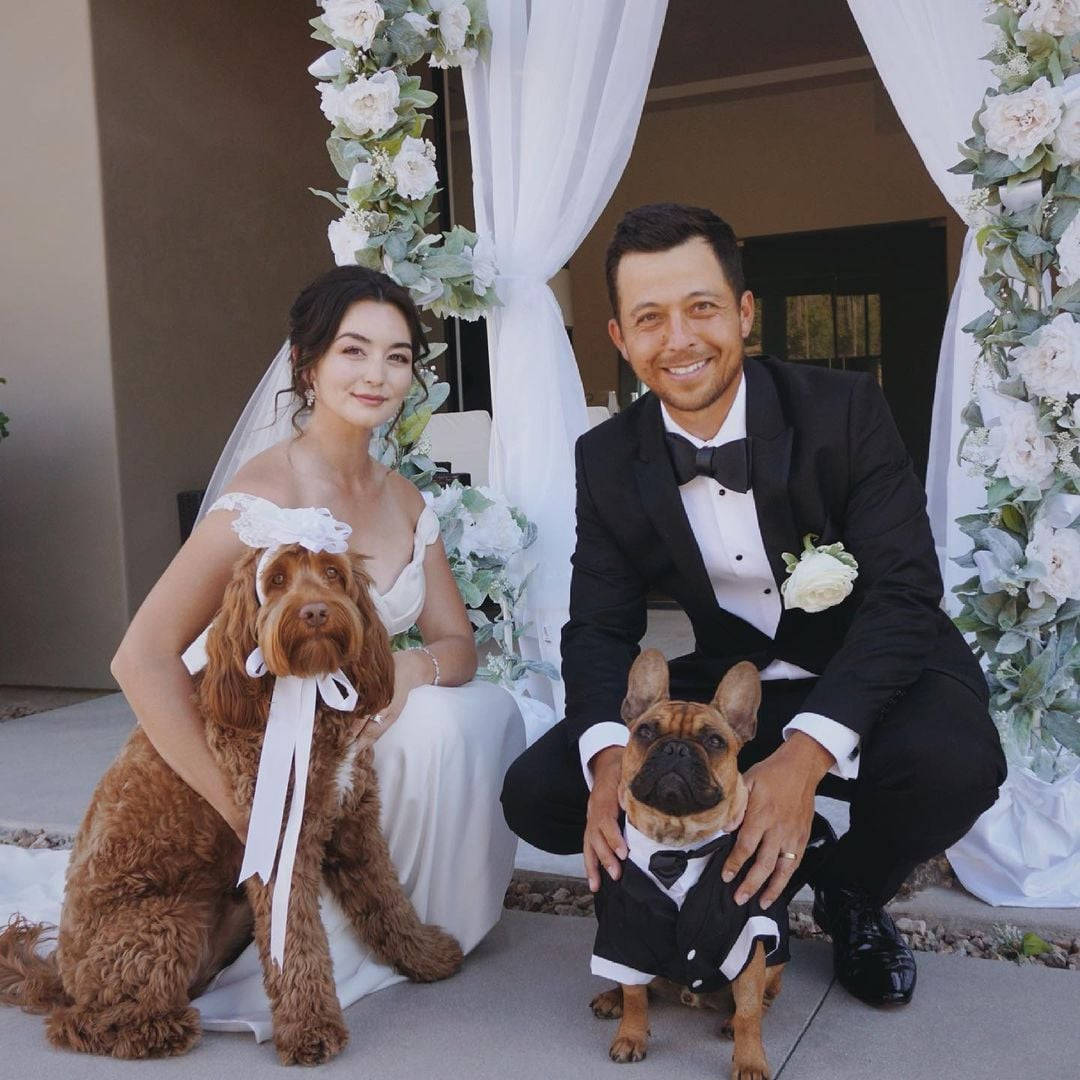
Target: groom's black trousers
929	767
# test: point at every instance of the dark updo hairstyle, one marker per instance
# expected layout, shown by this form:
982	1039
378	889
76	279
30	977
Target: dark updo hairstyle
316	315
662	226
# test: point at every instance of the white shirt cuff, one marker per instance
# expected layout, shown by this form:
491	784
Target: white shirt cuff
600	737
840	741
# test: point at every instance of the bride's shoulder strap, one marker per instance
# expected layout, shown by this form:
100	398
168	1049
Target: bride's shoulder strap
239	500
249	522
427	529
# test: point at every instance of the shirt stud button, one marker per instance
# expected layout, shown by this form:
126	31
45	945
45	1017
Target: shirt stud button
767	591
738	558
691	954
695	984
723	492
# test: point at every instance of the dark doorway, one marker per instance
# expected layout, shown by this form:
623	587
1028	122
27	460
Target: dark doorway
861	299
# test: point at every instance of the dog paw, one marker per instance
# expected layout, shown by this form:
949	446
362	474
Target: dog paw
430	955
608	1005
310	1042
627	1048
750	1067
95	1030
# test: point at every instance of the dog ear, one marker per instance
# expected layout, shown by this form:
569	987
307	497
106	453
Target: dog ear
227	692
738	697
647	685
372	673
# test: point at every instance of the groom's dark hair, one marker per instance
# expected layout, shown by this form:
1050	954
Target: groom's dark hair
662	226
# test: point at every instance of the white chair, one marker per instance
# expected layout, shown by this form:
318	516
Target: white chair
597	414
463	439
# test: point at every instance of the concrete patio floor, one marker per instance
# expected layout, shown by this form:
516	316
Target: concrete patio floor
519	1007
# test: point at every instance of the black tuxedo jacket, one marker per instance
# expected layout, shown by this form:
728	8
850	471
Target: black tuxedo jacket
826	458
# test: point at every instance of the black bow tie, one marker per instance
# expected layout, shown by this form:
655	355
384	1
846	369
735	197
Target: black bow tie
728	465
668	866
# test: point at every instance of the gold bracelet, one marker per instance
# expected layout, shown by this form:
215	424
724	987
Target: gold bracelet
434	660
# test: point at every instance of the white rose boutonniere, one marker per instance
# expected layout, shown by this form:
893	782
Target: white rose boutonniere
820	578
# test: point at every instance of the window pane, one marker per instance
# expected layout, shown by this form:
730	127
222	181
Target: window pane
850	326
753	342
810	327
874	306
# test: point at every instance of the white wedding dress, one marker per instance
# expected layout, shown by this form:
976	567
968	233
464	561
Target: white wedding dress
440	769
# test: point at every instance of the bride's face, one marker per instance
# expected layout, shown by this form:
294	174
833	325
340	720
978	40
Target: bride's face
367	371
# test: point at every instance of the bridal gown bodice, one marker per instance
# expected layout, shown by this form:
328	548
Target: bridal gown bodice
398	608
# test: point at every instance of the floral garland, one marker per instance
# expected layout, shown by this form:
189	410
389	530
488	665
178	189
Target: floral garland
378	115
1023	425
483	535
377	112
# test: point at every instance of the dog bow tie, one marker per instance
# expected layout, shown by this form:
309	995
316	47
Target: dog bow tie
670	865
728	465
286	743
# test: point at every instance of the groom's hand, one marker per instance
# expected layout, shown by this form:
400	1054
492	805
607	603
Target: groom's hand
779	812
604	844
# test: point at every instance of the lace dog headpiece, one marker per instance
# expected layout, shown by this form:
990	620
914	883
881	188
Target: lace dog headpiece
264	525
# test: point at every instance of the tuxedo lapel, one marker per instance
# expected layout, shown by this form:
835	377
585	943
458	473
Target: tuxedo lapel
660	496
770	465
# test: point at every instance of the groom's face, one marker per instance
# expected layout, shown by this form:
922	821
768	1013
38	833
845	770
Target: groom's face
680	326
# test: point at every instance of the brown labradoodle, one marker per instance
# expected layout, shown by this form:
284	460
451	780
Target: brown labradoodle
151	908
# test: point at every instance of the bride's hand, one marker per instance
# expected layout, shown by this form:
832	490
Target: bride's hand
412	668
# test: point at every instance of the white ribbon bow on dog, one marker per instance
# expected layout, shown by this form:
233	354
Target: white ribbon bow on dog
287	743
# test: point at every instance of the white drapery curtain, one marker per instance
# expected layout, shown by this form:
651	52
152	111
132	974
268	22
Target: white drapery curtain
552	117
927	54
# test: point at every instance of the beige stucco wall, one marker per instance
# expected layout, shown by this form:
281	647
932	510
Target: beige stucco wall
211	135
62	589
814	158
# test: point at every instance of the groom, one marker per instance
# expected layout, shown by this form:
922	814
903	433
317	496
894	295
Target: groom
875	699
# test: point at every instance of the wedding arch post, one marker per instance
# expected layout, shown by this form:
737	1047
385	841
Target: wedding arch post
552	111
928	55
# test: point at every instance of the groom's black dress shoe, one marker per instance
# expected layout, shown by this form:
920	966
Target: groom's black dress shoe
869	955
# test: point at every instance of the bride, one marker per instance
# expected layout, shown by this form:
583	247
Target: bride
443	745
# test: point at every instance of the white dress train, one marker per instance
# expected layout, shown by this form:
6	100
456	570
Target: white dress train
440	768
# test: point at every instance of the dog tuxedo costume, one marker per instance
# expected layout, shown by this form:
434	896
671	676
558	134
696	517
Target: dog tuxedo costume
671	914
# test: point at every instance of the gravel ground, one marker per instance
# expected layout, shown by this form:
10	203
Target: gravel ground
559	896
567	896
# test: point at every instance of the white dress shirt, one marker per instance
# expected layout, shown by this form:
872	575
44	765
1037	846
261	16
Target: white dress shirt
725	527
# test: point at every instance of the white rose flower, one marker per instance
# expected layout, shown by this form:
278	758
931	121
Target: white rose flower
819	581
453	26
1026	457
1067	137
1057	17
1058	550
366	105
1068	253
445	501
463	58
484	268
494	532
347	236
1049	360
1016	124
354	21
414	168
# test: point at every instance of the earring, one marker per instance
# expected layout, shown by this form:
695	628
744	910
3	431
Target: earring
309	397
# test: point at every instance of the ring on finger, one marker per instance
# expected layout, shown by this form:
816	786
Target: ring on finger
789	855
